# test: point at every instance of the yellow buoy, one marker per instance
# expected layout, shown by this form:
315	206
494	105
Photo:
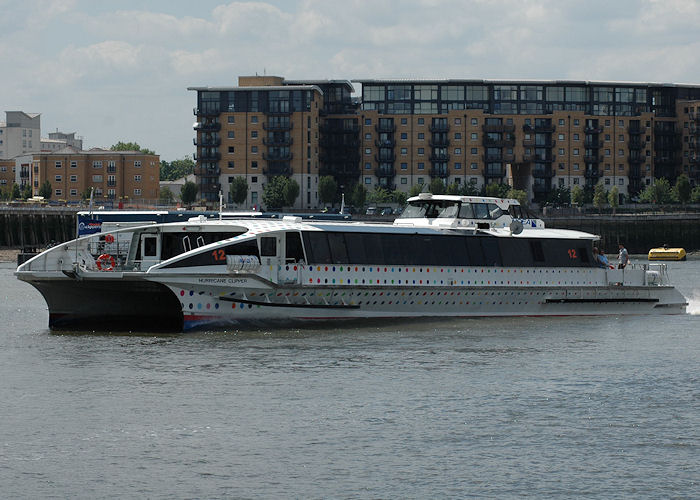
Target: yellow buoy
665	253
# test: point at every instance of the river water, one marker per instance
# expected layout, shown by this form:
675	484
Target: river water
599	407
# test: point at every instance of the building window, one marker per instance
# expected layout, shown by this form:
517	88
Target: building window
137	178
404	151
474	166
58	178
96	178
404	136
475	136
254	149
404	180
230	164
458	151
576	122
231	134
368	166
368	121
59	192
368	151
575	166
231	119
368	180
404	121
96	164
458	135
458	166
74	192
420	180
475	121
253	134
561	121
421	166
58	164
137	164
421	151
404	166
458	121
474	151
575	180
137	192
253	164
231	149
368	137
421	121
254	179
607	181
561	137
576	137
421	136
254	119
621	182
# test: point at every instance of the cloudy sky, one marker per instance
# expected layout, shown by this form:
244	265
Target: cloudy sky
114	71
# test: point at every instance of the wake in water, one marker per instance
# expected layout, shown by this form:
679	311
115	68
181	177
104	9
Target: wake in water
694	303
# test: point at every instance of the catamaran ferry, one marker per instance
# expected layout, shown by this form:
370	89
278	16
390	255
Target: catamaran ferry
445	256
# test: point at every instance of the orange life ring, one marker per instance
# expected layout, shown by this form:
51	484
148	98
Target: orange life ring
109	238
106	262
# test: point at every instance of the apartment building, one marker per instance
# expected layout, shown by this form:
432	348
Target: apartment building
59	140
7	174
112	174
20	134
268	127
534	135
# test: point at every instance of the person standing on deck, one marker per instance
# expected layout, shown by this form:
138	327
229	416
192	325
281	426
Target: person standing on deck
623	257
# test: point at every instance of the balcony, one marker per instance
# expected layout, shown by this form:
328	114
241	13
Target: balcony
591	173
333	128
207	142
207	111
592	143
111	183
438	157
277	170
208	156
539	127
635	159
278	141
385	157
494	173
207	126
504	142
545	173
590	129
547	157
441	172
592	158
439	143
636	130
498	128
439	127
493	157
207	172
213	187
388	143
385	128
278	112
385	172
278	126
635	173
278	156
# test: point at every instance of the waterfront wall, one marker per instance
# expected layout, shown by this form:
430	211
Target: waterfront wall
41	226
35	227
638	233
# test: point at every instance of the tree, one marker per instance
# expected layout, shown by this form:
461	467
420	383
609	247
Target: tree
453	188
470	189
45	190
327	190
176	169
518	194
600	196
379	196
358	196
27	191
577	196
614	198
399	197
131	146
497	190
16	193
415	190
559	196
695	195
291	192
657	193
437	186
683	189
239	190
188	193
166	196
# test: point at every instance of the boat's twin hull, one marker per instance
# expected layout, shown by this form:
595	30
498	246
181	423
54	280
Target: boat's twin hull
142	305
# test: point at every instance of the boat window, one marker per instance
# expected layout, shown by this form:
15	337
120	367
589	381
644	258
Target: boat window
150	246
492	254
218	255
481	211
268	246
536	249
173	244
494	211
339	251
515	252
317	247
414	210
356	248
449	211
293	250
465	211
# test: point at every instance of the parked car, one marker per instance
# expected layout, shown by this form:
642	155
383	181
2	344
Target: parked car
386	211
371	211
